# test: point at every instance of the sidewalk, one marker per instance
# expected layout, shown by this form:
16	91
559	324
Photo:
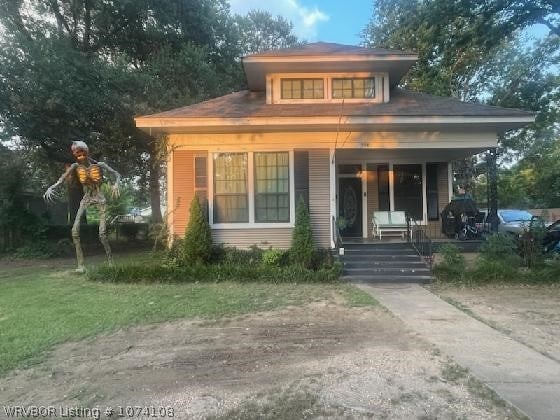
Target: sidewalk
520	375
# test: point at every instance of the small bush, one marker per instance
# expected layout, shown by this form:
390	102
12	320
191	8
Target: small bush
498	246
453	267
273	257
302	248
198	238
322	258
232	255
496	270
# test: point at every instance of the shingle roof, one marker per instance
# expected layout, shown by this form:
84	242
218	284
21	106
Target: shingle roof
326	48
246	104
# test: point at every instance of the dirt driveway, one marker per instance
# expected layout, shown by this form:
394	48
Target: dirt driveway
529	314
320	360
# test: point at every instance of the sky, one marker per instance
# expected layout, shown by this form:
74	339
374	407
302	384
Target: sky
337	21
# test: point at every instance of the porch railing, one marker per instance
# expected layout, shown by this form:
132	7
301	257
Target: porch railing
417	235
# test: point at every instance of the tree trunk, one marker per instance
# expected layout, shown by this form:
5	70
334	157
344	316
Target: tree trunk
155	171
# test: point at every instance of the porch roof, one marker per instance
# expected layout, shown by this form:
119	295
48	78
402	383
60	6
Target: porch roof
248	109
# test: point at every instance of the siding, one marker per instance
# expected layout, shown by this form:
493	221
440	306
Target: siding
183	188
262	237
372	195
319	197
301	175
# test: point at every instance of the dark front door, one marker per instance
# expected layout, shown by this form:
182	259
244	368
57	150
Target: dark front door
350	205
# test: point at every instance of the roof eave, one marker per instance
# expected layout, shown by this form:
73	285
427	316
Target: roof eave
348	123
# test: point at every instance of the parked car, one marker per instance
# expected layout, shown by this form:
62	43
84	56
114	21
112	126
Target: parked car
515	221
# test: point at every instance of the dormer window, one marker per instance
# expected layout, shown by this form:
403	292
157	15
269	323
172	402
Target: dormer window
303	89
353	88
358	87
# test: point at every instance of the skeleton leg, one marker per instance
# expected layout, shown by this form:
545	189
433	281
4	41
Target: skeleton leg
76	233
102	206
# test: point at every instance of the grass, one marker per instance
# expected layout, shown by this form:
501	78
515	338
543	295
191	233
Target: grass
454	373
41	307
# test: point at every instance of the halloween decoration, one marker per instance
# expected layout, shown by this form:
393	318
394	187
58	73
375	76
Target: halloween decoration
90	174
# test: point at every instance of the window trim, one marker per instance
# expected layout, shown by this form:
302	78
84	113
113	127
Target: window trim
252	224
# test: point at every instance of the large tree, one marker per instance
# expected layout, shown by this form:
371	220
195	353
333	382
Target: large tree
82	69
474	50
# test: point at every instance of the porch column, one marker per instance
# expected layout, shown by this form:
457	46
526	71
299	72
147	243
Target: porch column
332	184
493	189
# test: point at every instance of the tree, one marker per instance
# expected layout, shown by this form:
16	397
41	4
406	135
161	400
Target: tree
472	50
198	237
260	31
77	69
302	248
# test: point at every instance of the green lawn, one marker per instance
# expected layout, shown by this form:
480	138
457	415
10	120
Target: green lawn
41	307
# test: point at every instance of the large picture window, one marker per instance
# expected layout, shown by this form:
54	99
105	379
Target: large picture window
272	191
353	88
231	204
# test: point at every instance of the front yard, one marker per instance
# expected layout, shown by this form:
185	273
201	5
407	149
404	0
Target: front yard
528	313
221	350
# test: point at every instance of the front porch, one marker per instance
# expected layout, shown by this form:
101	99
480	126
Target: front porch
416	181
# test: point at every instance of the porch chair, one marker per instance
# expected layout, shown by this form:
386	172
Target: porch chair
389	222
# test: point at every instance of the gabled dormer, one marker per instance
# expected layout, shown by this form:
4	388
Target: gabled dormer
327	73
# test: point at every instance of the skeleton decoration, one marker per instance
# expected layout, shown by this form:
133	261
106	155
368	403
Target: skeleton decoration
90	175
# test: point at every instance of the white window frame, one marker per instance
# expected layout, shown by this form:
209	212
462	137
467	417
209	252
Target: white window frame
252	224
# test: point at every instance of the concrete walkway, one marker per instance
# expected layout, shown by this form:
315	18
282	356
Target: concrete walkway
520	375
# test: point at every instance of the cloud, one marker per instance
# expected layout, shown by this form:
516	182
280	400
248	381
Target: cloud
305	19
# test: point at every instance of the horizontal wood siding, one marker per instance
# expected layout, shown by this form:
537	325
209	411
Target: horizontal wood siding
443	186
301	175
319	197
263	238
183	188
372	195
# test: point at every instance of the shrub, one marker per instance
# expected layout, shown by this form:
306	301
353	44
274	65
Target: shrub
302	248
273	257
498	246
322	258
496	270
198	238
171	273
232	255
453	267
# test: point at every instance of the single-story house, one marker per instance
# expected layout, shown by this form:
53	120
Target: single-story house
328	123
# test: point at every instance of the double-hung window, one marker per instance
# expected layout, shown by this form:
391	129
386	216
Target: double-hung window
231	198
272	191
251	193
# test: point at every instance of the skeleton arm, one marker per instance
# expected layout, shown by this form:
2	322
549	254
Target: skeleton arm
48	196
116	185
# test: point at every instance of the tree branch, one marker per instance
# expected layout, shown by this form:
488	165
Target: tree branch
554	29
59	18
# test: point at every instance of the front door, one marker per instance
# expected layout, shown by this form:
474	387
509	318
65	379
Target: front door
350	206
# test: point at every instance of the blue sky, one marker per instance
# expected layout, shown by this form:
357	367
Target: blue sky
325	20
339	21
